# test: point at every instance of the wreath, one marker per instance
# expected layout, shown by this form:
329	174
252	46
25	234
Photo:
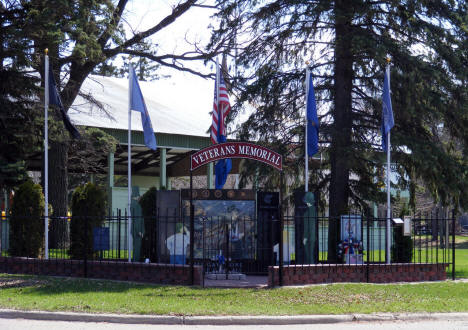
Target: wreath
349	246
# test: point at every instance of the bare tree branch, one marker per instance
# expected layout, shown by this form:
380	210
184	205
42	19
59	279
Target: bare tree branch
173	65
117	14
176	13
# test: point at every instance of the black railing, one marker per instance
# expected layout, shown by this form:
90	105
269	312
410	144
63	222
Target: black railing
243	244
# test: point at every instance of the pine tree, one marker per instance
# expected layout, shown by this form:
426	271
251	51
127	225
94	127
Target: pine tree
347	43
19	127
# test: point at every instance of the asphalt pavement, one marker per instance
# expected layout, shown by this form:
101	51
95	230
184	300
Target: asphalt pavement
14	324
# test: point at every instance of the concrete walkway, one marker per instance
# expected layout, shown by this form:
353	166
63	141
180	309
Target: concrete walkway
248	282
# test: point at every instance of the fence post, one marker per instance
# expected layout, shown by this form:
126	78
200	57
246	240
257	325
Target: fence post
437	237
226	226
316	247
281	226
119	233
203	245
1	232
271	232
85	261
453	245
368	248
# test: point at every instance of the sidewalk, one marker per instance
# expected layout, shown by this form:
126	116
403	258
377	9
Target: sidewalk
229	320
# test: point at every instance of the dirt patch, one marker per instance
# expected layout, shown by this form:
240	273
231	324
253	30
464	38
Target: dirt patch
422	243
9	282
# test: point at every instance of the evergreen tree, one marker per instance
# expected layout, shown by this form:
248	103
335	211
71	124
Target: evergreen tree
26	226
347	43
19	127
88	209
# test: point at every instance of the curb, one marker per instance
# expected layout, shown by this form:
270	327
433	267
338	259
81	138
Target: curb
229	320
86	317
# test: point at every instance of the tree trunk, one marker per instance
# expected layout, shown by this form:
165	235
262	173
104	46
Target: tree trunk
341	131
58	192
58	157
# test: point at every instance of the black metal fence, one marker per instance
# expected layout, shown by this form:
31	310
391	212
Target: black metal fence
246	245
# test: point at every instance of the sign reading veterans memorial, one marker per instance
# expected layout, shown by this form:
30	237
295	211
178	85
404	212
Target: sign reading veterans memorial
236	150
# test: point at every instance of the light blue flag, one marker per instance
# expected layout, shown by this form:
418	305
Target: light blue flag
137	103
312	121
387	112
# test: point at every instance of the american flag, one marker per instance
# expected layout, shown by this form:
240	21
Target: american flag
221	109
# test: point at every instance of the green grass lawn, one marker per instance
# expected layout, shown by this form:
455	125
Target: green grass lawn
96	296
461	256
429	253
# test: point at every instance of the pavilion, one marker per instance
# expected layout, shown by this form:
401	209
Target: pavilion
179	129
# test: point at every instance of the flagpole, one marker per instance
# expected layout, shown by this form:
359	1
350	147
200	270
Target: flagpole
219	115
306	136
129	151
46	155
389	214
217	98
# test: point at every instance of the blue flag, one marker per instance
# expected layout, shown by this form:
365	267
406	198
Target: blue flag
312	121
137	103
54	98
222	168
387	112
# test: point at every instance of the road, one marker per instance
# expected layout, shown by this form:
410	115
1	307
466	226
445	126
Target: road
10	324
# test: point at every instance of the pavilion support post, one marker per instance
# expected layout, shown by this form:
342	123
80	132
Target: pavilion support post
6	193
209	176
162	171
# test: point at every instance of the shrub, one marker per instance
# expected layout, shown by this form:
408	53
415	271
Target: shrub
402	248
88	212
27	223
